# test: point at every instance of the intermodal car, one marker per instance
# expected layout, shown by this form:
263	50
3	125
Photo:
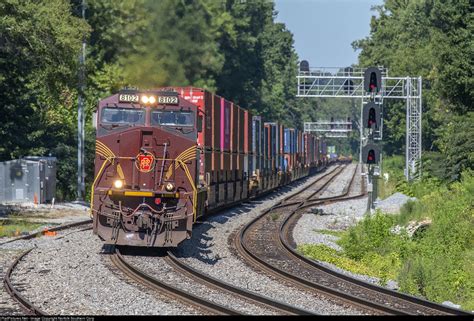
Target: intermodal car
167	157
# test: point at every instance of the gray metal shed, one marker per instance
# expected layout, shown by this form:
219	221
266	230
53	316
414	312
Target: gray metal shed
22	179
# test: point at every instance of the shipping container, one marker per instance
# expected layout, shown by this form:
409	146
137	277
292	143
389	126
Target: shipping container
225	125
234	121
241	131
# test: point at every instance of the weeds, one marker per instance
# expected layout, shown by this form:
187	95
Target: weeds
10	228
330	232
275	216
438	266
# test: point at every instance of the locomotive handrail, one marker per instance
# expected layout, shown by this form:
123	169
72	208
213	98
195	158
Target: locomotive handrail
180	162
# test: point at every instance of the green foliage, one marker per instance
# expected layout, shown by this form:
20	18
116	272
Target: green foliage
330	232
432	39
177	47
370	235
10	228
37	67
38	72
457	143
451	237
416	262
232	47
373	265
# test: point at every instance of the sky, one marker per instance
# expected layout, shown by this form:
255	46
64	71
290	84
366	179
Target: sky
323	30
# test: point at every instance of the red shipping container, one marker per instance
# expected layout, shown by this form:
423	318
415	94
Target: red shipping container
235	166
225	125
216	123
217	165
241	131
226	165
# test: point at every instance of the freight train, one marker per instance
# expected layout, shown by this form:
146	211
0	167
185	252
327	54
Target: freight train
164	158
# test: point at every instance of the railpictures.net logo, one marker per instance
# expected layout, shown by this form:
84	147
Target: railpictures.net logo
33	318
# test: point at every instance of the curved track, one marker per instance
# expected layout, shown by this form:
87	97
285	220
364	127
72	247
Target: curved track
280	307
28	307
267	243
198	302
171	291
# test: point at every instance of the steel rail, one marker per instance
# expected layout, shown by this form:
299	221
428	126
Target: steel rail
173	292
295	279
53	229
25	305
242	293
284	236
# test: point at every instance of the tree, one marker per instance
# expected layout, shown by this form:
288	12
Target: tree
433	39
40	43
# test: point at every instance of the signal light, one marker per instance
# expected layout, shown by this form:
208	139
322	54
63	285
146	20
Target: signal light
372	80
304	66
371	116
348	83
371	154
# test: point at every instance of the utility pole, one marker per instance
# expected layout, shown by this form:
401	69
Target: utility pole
81	173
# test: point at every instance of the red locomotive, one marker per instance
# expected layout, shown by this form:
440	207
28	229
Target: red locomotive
166	157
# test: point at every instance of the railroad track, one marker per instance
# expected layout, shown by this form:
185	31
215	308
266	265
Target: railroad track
27	306
53	229
200	303
161	287
266	242
174	292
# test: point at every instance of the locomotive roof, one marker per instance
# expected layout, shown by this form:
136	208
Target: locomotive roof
114	100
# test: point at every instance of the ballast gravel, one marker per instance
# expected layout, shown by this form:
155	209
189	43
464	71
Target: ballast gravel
160	269
8	306
337	216
337	187
393	203
69	275
210	251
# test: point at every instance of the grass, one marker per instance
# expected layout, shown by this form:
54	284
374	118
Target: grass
393	166
330	232
275	216
380	269
10	228
439	265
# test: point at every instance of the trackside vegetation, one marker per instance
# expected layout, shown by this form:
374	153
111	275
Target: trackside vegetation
10	228
235	48
436	264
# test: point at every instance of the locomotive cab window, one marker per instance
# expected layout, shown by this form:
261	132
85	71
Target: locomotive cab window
123	116
172	118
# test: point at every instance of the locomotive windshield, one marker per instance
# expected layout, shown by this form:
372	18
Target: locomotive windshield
123	116
172	118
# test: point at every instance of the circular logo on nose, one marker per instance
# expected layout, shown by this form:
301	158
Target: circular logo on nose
145	162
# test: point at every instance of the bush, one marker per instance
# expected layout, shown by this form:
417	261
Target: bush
367	236
437	265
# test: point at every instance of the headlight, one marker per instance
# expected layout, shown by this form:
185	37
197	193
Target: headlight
169	187
118	183
145	99
152	99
